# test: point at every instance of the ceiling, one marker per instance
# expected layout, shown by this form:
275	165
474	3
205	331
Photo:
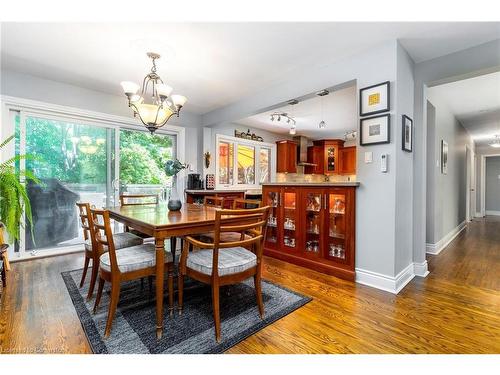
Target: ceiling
337	109
475	102
214	64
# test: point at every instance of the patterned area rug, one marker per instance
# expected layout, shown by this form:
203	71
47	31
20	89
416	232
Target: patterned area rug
192	332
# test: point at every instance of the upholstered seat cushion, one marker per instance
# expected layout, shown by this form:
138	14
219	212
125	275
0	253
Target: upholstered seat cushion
231	260
121	240
134	258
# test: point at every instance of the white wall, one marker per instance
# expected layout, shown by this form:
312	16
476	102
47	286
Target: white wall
459	65
447	191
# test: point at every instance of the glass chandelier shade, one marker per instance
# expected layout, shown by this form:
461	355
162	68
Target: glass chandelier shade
155	104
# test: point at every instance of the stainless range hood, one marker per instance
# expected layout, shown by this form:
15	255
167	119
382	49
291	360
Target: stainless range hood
302	151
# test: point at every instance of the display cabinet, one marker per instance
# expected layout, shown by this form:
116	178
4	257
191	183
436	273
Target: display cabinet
312	226
331	149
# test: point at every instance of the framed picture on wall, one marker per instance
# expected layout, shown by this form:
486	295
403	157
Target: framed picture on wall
374	99
375	130
407	134
444	157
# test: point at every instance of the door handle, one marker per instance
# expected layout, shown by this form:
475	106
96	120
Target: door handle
326	198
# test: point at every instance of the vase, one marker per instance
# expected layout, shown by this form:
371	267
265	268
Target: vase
174	201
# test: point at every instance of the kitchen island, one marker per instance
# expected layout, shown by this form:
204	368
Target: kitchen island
312	225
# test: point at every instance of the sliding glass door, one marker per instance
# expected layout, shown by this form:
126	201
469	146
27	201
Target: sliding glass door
83	162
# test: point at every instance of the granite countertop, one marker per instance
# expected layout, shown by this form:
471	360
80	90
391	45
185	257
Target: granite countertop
346	183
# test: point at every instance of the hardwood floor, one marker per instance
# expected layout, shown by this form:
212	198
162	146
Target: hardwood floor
453	310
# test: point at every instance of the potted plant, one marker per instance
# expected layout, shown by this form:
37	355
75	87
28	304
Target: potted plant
14	199
172	167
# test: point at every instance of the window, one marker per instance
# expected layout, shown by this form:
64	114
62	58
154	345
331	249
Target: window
243	162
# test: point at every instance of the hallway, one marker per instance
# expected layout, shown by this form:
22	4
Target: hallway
453	310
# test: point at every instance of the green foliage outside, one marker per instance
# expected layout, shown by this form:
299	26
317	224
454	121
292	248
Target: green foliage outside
75	153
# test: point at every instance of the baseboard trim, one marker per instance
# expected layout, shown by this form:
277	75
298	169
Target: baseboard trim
478	214
436	248
383	282
494	213
421	269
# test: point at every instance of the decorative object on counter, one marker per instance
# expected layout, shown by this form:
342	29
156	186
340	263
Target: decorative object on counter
247	135
407	134
374	99
210	181
161	105
172	167
444	157
350	135
375	130
207	157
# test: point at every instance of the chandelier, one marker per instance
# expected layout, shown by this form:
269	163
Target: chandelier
157	106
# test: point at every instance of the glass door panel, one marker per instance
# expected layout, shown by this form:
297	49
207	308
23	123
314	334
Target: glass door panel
142	163
74	163
289	220
314	219
271	198
330	159
336	226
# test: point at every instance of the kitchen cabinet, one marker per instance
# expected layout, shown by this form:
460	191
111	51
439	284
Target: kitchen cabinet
315	156
347	160
313	227
331	149
286	161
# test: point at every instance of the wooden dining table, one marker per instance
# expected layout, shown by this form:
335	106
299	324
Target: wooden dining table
158	222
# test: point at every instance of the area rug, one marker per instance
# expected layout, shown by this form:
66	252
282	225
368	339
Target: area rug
134	332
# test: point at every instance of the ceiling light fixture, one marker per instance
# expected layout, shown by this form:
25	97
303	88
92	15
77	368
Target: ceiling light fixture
160	106
286	117
496	142
322	123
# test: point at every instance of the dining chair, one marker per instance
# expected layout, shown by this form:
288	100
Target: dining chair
138	199
128	264
211	201
121	240
225	263
238	203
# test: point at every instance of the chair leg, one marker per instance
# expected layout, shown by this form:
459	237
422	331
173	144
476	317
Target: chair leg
258	292
173	245
93	279
170	277
180	291
99	294
115	296
215	306
85	267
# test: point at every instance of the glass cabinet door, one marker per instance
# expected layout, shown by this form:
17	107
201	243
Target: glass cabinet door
330	159
313	200
272	198
290	220
337	246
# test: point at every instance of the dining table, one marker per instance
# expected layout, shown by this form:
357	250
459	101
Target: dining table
160	223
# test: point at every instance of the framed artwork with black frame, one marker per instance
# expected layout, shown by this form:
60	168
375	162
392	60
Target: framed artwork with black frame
375	130
374	99
407	134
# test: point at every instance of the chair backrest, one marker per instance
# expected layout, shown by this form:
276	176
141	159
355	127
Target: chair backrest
138	199
104	236
246	203
211	201
251	221
86	223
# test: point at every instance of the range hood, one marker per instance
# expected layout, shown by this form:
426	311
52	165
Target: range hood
302	151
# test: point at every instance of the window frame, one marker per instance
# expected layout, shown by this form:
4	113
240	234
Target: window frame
257	147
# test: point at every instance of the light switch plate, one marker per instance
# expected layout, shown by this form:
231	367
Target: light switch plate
368	157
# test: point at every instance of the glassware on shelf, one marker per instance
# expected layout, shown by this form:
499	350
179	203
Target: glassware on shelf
271	221
289	241
289	224
313	203
338	207
273	199
336	251
312	246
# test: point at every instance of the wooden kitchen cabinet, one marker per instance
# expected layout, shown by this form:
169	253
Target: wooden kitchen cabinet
330	155
286	160
315	156
313	227
348	160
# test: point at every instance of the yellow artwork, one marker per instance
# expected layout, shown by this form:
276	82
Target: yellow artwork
374	99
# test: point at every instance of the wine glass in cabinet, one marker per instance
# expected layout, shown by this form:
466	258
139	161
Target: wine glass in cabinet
313	201
290	219
271	198
337	245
